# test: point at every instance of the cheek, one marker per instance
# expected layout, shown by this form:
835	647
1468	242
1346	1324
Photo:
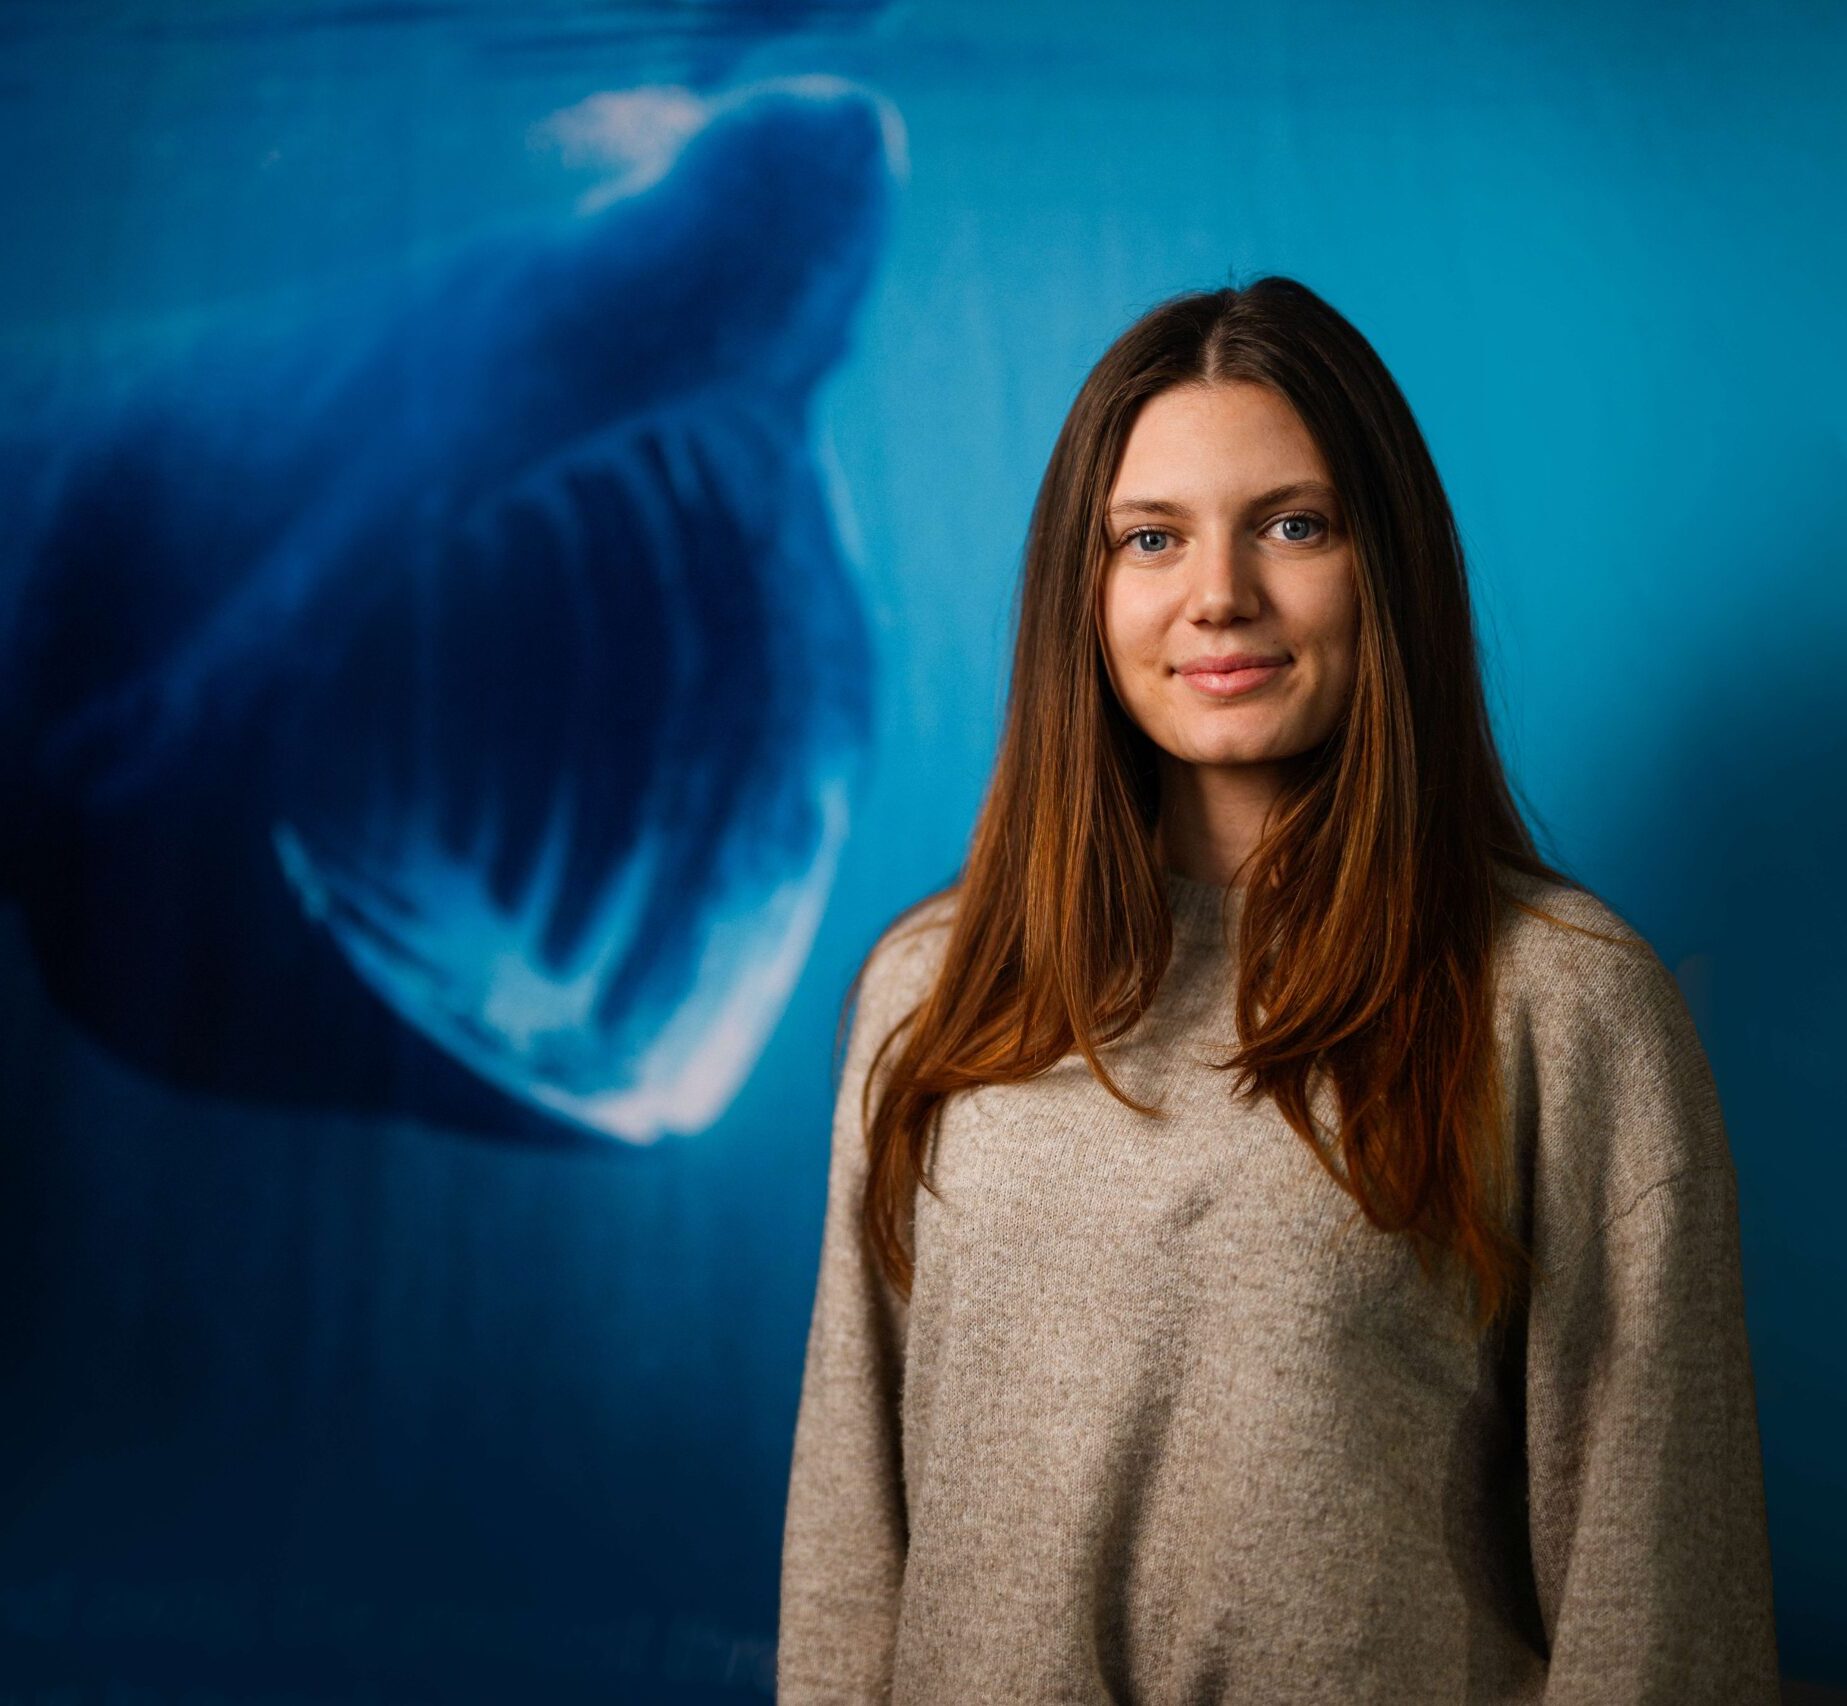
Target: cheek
1116	623
1336	624
1135	621
1119	624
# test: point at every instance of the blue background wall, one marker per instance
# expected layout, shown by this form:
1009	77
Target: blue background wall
422	1391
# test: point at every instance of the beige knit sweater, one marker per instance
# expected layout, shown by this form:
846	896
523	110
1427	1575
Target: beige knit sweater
1147	1431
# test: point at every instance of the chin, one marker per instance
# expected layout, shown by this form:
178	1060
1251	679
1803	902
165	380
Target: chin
1226	752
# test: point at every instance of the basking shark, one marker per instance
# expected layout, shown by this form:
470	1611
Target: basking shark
445	696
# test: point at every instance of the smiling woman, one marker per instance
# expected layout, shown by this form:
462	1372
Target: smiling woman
1240	557
1409	1363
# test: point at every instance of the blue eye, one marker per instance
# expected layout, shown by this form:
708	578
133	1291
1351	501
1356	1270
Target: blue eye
1299	515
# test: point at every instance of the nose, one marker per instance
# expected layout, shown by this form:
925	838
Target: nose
1225	579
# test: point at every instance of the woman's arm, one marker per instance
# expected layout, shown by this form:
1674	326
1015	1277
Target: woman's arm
1650	1547
844	1535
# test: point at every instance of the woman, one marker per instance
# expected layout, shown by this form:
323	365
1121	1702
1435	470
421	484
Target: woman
1406	1363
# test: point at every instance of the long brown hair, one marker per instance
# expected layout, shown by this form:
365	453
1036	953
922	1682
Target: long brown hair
1368	921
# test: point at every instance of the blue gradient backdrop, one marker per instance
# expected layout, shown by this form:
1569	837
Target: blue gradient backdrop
510	517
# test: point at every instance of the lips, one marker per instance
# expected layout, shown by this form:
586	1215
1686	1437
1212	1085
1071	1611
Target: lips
1248	672
1233	661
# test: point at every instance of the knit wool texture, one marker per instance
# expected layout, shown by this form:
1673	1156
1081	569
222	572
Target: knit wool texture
1153	1428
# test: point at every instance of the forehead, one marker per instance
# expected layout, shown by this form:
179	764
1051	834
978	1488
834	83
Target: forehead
1229	438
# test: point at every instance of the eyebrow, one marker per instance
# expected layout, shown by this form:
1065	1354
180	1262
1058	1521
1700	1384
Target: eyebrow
1275	495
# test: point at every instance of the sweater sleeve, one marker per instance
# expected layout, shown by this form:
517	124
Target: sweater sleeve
1650	1547
844	1533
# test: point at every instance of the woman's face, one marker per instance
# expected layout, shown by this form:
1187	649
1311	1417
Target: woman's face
1226	539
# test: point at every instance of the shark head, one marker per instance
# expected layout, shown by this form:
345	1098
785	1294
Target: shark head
518	606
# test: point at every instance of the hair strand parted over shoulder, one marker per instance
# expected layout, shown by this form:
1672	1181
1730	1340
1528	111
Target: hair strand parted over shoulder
1367	931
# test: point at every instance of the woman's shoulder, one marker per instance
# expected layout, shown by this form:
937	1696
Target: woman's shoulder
1609	1053
903	961
1561	946
1588	987
1612	1047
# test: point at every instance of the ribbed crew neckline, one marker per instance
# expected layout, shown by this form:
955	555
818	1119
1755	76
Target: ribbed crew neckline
1196	906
